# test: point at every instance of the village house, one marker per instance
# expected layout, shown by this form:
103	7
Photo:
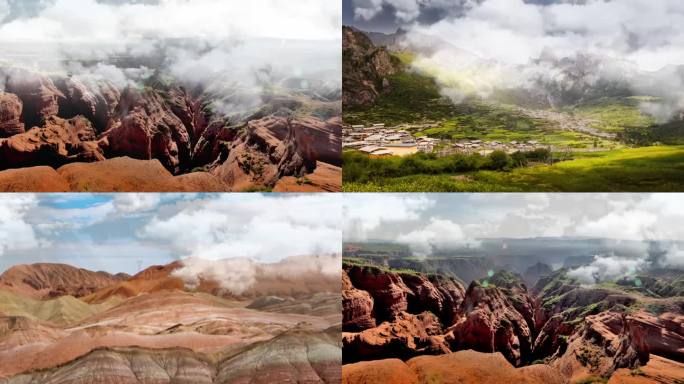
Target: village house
369	149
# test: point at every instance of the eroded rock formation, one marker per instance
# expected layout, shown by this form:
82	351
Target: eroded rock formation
366	69
579	332
11	121
182	129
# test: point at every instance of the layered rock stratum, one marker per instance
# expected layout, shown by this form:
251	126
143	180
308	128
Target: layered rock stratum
160	327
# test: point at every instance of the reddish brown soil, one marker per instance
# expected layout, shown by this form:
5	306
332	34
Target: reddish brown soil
388	371
33	179
458	367
124	174
657	370
128	175
325	178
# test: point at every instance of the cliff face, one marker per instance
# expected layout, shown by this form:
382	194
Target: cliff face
357	307
53	121
365	69
11	121
490	323
484	319
580	331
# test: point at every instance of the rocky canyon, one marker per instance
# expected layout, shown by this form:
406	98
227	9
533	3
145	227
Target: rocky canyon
403	326
69	133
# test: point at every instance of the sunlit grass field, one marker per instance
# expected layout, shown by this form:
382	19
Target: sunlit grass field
656	168
613	115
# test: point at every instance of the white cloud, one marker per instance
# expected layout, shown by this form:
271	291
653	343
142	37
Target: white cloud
136	202
367	9
265	228
491	44
52	220
673	258
638	217
437	235
366	212
15	232
609	267
4	9
239	274
236	275
88	20
225	47
633	224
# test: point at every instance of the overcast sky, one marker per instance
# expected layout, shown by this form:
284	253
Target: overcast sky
479	46
236	50
430	223
109	20
389	15
649	33
465	217
122	232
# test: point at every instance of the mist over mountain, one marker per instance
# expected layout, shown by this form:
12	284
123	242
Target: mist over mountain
555	54
192	85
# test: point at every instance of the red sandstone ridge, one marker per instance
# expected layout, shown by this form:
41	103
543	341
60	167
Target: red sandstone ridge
96	101
581	332
610	341
59	142
325	177
396	292
436	294
491	324
271	148
405	337
38	94
357	307
42	281
183	130
457	367
34	179
11	121
294	276
387	290
144	127
657	370
123	174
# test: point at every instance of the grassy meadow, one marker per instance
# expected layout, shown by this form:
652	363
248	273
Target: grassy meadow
655	168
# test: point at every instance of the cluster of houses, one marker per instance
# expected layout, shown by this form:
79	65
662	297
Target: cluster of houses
485	147
378	141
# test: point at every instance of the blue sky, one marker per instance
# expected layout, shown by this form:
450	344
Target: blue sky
127	232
